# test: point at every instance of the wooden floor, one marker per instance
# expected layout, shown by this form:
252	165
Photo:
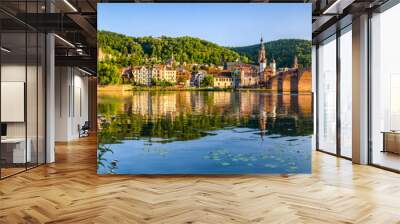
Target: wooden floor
70	191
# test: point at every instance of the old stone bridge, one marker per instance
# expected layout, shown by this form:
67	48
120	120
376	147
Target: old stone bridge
293	80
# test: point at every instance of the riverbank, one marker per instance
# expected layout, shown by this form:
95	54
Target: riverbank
127	87
114	88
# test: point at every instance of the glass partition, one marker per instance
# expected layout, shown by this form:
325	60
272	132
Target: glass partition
327	95
13	94
22	88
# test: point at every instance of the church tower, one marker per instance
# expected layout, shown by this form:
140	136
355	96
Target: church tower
223	62
262	59
295	63
273	67
170	62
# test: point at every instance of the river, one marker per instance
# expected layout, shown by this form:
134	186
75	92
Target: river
204	132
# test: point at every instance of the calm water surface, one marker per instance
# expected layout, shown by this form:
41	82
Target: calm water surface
199	132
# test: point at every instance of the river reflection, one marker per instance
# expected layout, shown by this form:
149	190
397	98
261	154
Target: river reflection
204	132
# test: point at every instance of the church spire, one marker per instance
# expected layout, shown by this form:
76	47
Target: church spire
261	53
262	59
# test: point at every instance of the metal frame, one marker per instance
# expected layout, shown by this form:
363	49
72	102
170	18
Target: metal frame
338	75
369	90
316	97
389	4
380	9
338	152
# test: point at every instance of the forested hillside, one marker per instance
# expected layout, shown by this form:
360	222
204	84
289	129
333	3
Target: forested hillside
117	50
125	50
282	50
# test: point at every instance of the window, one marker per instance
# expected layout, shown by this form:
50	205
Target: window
346	92
385	89
327	95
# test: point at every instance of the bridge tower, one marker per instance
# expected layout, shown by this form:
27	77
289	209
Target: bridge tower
295	63
273	67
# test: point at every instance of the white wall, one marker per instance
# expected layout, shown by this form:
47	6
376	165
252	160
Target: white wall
33	126
71	102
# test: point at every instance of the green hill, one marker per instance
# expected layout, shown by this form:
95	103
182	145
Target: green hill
125	50
117	50
282	50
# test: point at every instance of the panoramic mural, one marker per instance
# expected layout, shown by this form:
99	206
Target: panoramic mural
196	89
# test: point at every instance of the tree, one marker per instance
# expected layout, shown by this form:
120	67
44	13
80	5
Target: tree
108	73
195	69
208	81
185	49
182	79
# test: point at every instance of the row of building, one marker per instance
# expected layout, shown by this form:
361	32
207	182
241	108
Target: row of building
143	75
230	75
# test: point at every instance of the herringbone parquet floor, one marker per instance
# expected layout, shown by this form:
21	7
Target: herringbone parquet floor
70	191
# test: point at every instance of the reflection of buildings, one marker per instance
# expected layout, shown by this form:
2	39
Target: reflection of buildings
140	102
271	113
286	113
248	103
147	104
242	103
222	99
163	104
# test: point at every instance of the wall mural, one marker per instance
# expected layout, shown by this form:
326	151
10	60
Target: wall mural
204	88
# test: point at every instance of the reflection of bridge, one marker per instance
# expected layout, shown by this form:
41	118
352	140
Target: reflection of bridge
288	114
293	80
285	114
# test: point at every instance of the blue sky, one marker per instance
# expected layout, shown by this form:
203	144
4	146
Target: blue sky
227	24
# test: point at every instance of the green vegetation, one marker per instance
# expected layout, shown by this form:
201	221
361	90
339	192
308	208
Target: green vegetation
191	126
283	51
124	50
122	124
207	81
117	50
156	82
109	73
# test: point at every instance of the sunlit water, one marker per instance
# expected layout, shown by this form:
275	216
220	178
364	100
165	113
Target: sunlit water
202	132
